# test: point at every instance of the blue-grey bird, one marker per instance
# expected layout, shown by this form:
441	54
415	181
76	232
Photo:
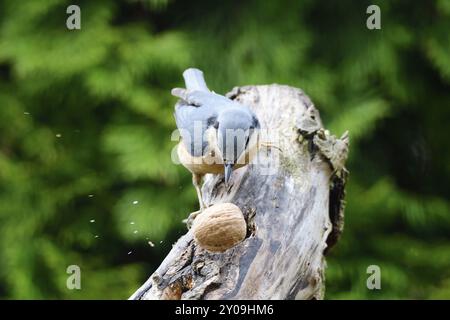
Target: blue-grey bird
217	134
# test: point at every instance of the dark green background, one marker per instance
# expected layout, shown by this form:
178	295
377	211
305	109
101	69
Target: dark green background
89	112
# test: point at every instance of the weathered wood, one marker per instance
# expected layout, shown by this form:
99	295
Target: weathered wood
291	221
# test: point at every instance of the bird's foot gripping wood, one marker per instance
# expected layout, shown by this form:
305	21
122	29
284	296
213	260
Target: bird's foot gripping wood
190	219
197	181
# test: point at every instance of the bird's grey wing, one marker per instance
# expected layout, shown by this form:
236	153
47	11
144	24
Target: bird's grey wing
202	98
195	113
192	121
208	99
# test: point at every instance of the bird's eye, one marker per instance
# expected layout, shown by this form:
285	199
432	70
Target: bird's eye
212	122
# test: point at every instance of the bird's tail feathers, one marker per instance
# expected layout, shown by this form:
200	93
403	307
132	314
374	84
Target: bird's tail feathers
194	80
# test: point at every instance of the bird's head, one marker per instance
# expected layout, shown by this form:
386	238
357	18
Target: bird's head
235	127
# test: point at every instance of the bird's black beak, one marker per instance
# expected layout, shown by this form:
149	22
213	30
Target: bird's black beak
228	171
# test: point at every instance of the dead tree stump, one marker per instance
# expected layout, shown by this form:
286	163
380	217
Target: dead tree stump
294	213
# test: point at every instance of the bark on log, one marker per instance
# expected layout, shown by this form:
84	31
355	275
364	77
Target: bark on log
293	215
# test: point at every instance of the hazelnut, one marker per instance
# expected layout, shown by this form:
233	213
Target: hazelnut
219	227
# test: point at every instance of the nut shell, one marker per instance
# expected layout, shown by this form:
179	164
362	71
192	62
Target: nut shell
219	227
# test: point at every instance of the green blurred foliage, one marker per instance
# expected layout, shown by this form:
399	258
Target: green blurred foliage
86	123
